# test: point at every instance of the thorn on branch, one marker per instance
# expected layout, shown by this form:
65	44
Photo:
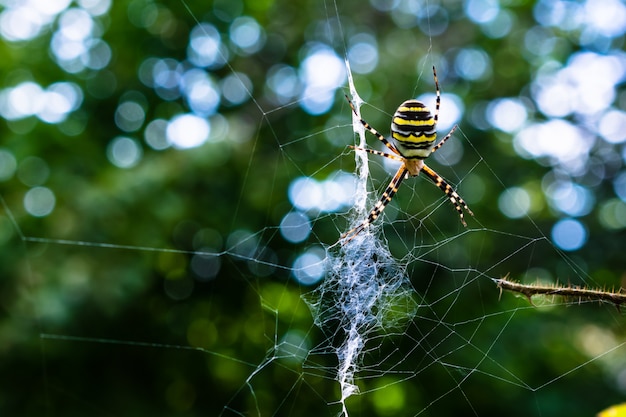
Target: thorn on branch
616	298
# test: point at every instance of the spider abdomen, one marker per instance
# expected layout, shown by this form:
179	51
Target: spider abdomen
413	129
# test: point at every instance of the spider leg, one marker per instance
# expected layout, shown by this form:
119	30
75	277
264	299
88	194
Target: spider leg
391	190
373	131
459	203
438	102
448	136
379	153
436	116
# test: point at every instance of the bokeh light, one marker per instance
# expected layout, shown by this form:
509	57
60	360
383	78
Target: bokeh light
124	152
363	53
39	201
24	20
205	47
482	11
563	143
33	171
473	64
50	105
155	134
283	82
247	34
8	164
237	88
295	227
572	90
187	131
318	93
570	198
331	195
200	91
309	268
612	126
205	265
507	114
569	234
612	214
129	116
515	202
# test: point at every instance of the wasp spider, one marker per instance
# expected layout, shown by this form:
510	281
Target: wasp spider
413	135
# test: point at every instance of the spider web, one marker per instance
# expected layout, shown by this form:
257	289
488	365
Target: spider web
220	303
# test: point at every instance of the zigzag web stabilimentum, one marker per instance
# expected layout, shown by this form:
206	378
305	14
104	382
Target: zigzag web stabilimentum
365	290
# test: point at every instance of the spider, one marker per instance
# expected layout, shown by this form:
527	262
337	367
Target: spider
413	133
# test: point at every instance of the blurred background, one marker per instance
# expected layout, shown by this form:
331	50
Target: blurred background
172	172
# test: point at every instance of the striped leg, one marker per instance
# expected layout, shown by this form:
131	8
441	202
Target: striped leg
436	116
448	136
438	103
372	130
391	190
459	203
379	153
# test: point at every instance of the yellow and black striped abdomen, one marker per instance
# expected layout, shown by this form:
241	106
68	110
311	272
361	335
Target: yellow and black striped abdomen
413	130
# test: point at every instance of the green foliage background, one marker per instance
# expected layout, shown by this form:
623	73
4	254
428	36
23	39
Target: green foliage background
87	326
